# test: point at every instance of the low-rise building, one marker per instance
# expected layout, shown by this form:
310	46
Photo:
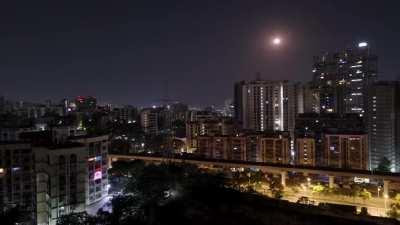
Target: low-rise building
207	127
305	151
61	174
274	149
17	177
347	151
96	157
256	147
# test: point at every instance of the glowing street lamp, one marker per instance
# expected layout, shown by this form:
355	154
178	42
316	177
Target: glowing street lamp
308	181
379	189
386	198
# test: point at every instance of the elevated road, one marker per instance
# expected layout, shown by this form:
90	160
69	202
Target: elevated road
266	167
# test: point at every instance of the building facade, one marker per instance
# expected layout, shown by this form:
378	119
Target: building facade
342	79
384	124
85	103
220	126
315	126
17	177
274	149
305	151
347	151
53	173
262	105
149	121
60	181
97	154
269	148
308	98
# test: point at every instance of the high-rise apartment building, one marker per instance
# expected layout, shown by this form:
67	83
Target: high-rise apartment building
262	105
342	79
384	124
307	98
149	121
127	114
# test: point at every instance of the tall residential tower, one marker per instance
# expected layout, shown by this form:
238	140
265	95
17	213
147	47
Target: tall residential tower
262	105
342	79
384	123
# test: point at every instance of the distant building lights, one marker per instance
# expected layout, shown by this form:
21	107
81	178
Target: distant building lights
362	44
15	168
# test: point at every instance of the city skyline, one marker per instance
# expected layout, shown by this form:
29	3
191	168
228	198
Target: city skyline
128	54
199	112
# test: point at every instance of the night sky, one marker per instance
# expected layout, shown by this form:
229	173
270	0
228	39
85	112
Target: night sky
127	53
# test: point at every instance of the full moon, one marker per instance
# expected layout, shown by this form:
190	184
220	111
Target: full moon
276	41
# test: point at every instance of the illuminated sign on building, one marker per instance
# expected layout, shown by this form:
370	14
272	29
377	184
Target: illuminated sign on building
97	175
361	180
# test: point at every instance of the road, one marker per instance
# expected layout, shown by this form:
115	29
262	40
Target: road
375	206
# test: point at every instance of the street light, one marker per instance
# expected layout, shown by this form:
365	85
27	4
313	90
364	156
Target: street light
308	181
379	189
249	175
386	197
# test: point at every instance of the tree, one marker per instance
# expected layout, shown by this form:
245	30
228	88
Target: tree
365	194
158	185
384	165
244	178
318	189
257	178
355	190
276	188
127	168
394	210
364	211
